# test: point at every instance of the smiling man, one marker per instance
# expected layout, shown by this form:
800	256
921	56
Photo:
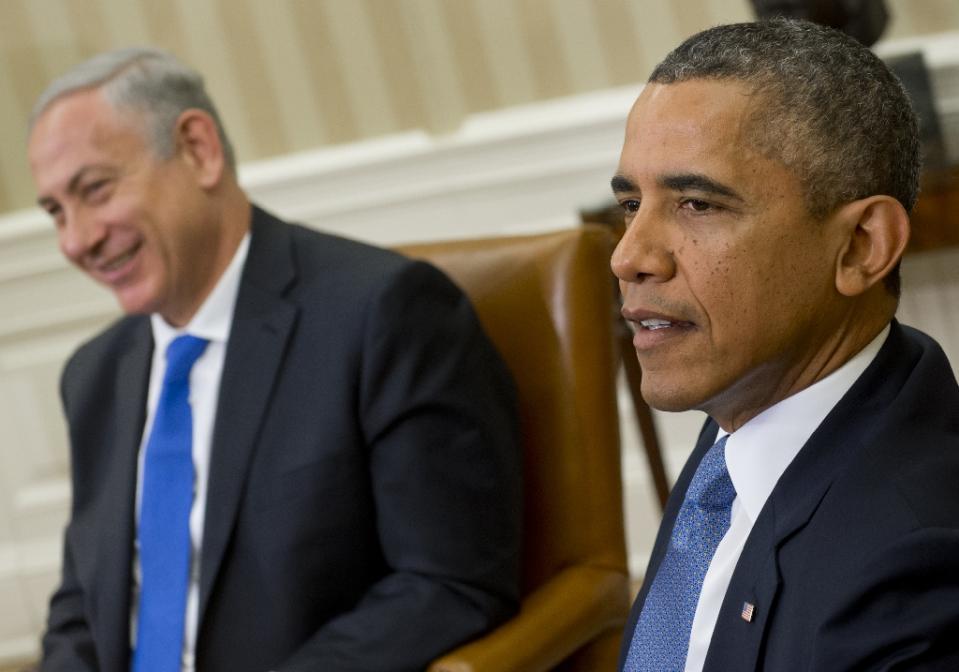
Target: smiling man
766	179
295	452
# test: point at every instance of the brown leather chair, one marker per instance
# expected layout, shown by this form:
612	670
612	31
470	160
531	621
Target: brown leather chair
611	217
545	301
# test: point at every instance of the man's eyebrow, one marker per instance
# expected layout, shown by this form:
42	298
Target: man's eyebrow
620	184
697	182
72	186
78	176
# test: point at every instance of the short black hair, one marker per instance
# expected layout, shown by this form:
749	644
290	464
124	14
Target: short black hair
827	107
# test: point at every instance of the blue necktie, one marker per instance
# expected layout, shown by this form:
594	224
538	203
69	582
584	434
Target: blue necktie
661	638
164	530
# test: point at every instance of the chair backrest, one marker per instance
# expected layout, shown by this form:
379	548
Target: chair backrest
546	301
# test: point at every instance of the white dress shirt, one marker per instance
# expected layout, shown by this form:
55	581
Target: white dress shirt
757	454
212	322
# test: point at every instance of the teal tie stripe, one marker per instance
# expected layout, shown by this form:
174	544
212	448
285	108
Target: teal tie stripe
164	530
661	638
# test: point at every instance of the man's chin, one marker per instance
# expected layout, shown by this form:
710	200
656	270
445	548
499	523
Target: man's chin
135	303
669	398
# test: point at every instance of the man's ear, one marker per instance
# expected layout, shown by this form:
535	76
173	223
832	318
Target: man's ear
876	231
198	143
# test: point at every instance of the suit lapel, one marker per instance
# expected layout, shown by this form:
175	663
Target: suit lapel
262	324
750	598
736	642
112	578
755	582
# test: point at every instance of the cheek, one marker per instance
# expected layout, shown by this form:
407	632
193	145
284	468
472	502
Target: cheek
750	303
63	245
724	284
120	213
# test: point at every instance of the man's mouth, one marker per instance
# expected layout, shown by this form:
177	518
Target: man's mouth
113	267
654	324
651	327
658	324
117	262
651	330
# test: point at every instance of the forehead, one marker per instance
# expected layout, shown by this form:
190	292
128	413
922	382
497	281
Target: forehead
700	126
77	130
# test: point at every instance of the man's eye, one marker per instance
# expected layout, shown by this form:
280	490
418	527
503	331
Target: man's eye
630	206
54	211
94	189
697	205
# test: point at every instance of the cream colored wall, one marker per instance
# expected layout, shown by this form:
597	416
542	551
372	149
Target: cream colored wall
912	18
291	75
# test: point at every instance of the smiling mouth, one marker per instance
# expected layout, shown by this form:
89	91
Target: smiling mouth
116	263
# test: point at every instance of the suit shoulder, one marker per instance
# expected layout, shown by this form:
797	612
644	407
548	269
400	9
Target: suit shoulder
365	269
919	438
323	256
330	251
120	331
91	355
923	467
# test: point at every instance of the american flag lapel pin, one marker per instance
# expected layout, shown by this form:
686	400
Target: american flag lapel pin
748	610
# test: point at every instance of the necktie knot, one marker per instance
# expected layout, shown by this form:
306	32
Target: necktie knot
181	355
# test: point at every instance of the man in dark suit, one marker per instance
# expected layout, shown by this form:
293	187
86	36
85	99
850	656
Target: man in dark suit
766	177
331	480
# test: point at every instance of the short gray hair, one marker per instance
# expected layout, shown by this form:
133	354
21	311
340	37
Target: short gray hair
829	108
151	82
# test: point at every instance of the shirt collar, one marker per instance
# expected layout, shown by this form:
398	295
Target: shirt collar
758	453
212	321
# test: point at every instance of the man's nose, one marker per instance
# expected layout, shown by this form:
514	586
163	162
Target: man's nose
643	253
81	235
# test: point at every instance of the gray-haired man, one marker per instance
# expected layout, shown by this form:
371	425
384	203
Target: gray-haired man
296	452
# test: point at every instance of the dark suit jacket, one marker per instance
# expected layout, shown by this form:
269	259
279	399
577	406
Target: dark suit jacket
364	494
853	563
